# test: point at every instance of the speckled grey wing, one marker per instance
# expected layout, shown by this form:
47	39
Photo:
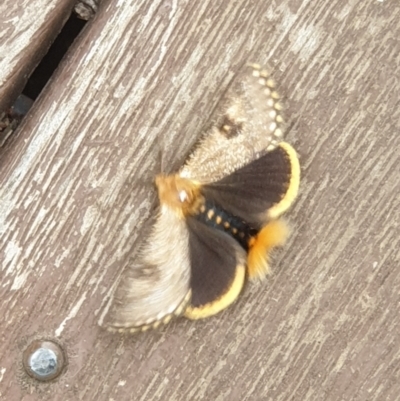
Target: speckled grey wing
248	124
157	286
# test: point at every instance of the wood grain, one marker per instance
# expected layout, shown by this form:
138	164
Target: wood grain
76	195
27	29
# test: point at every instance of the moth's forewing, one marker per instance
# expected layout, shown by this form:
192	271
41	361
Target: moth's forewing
248	123
156	286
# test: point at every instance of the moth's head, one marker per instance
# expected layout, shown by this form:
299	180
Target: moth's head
179	193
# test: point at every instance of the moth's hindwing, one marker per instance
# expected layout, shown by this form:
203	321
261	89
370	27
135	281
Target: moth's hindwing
247	124
260	190
218	265
156	287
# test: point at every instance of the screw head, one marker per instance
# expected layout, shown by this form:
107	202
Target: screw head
43	360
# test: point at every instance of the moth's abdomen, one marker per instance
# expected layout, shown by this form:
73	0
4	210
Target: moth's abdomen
272	235
257	243
216	217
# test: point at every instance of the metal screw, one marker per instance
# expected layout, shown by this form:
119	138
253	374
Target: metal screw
43	360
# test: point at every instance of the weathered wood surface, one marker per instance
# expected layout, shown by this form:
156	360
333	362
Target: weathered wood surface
27	29
76	192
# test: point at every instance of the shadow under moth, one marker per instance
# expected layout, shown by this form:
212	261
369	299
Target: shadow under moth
219	215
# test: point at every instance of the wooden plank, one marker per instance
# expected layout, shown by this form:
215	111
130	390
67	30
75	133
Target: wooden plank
27	29
76	193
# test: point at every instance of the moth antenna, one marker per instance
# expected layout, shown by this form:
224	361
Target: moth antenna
161	163
272	235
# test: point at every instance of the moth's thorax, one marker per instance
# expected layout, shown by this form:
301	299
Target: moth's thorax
180	194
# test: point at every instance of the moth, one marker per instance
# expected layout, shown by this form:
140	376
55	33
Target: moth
219	214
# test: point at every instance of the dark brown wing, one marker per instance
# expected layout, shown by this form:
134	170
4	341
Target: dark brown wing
217	270
262	189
